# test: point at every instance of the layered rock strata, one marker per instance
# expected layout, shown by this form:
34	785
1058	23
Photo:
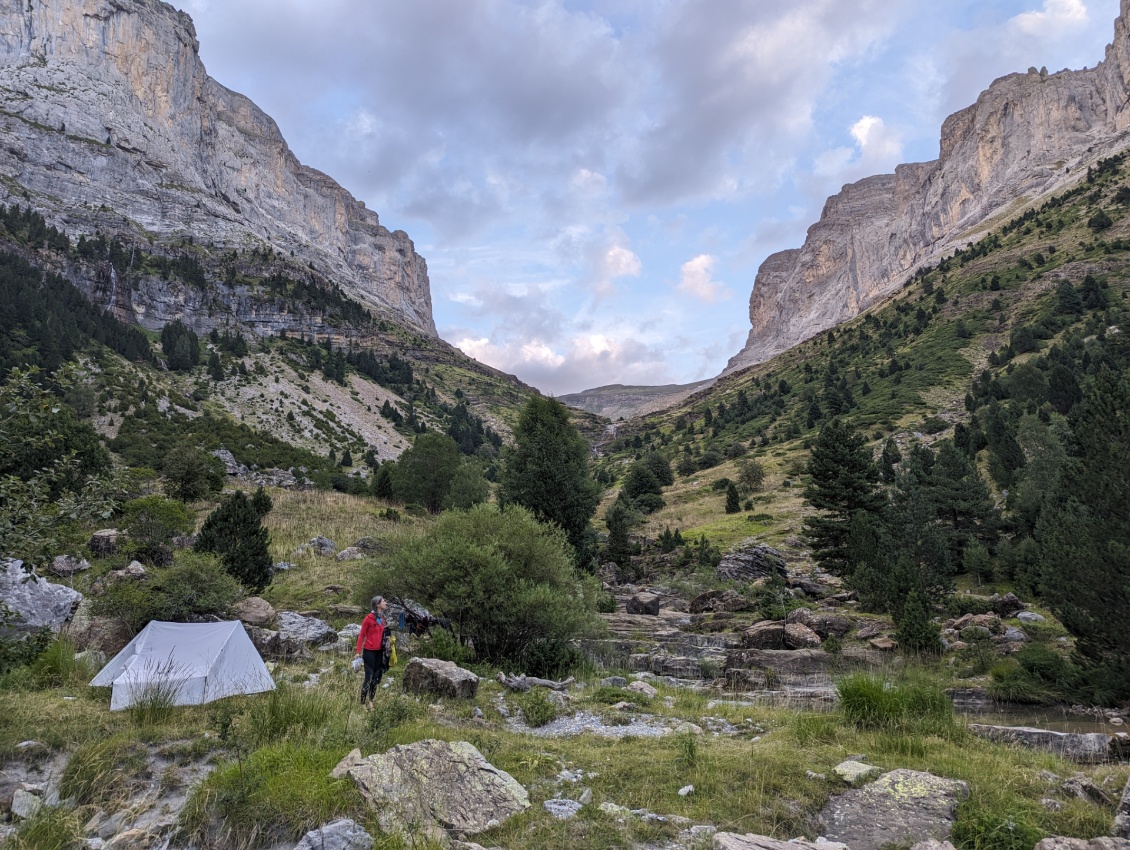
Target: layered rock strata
108	120
1026	136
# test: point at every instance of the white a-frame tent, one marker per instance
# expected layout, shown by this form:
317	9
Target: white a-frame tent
185	663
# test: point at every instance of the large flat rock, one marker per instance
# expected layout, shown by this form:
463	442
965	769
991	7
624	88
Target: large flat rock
750	841
37	601
436	789
1081	747
899	806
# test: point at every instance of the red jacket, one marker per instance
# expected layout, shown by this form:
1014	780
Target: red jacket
372	633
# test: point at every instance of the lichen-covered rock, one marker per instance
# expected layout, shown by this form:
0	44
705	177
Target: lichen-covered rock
351	553
296	632
437	789
319	545
643	688
751	560
441	678
343	834
67	565
733	841
852	771
902	805
37	601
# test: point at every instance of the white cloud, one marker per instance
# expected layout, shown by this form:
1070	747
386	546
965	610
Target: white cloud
1055	15
696	279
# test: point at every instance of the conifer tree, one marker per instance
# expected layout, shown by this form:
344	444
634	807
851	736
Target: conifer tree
547	471
262	502
916	632
235	532
843	482
733	504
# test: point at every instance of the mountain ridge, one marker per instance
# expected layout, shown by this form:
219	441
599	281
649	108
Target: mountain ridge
1026	136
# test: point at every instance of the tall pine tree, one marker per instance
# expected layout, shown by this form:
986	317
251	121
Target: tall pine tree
235	533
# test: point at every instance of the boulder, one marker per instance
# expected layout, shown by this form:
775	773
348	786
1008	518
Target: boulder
853	771
678	666
991	622
67	565
1083	788
319	545
614	682
343	834
36	601
645	603
96	634
296	632
133	571
800	636
351	611
642	688
1030	617
369	545
883	644
1084	748
351	553
25	804
751	560
562	809
1007	605
867	629
1103	843
281	567
827	625
441	678
808	587
255	611
435	789
715	601
104	542
902	805
733	841
1012	634
768	634
1122	815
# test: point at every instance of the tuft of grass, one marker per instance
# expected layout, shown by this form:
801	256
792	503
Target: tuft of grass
607	695
294	712
276	794
102	772
391	712
56	666
155	705
815	728
536	707
868	701
686	751
52	828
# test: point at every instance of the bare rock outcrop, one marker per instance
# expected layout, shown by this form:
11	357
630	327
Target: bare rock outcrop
107	111
1026	136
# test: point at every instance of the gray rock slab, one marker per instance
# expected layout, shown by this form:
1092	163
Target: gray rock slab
901	805
343	834
645	603
1103	843
1122	815
25	804
437	788
441	678
852	771
562	809
750	841
1084	748
751	560
297	630
37	601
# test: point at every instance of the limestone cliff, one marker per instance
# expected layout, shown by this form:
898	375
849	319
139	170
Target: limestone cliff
1027	135
109	121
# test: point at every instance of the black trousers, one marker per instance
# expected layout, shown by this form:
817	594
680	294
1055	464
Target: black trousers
374	671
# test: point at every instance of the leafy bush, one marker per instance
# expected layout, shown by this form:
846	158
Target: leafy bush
195	586
192	473
151	523
442	644
551	658
502	578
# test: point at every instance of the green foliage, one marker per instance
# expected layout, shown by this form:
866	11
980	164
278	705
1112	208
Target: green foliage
151	523
980	828
181	346
607	695
56	666
52	471
235	532
51	828
536	707
686	751
425	472
502	578
868	701
195	586
192	474
917	633
101	771
276	794
660	467
620	518
843	483
286	711
442	644
547	472
468	487
750	474
261	501
733	502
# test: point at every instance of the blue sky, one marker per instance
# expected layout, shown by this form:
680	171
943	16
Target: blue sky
594	184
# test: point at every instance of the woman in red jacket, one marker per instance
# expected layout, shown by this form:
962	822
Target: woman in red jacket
371	646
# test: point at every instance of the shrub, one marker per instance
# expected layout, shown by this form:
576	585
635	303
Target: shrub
151	523
551	659
607	695
192	474
195	586
442	644
235	532
536	707
502	578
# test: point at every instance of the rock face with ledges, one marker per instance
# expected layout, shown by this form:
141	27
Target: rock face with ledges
106	102
1026	136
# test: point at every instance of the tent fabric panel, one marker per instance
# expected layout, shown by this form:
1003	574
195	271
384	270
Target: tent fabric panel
238	669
